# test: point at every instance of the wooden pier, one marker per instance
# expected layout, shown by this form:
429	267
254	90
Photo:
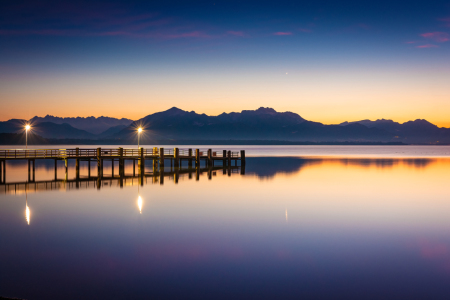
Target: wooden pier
158	156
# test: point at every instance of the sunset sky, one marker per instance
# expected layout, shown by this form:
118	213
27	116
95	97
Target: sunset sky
329	61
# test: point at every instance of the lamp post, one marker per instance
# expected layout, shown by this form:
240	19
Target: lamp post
27	127
139	134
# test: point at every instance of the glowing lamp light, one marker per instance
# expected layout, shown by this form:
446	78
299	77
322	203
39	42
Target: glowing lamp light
139	134
27	127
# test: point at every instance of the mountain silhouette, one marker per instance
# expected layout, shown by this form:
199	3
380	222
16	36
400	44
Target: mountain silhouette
417	131
89	124
262	124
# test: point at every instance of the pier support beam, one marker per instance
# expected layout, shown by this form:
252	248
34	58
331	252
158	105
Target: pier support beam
209	162
243	159
121	164
197	158
56	169
3	171
77	168
224	156
161	159
190	158
176	157
89	168
99	165
141	162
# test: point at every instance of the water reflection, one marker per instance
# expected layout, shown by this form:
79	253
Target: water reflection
27	210
140	204
381	224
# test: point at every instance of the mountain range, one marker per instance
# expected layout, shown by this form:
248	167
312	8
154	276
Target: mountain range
261	124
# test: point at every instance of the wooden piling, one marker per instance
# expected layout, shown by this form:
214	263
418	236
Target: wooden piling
209	160
161	158
197	158
99	164
121	163
190	158
224	156
77	168
242	158
142	161
176	157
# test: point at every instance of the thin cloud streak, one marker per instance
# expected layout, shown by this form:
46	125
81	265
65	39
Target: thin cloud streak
427	46
438	37
282	33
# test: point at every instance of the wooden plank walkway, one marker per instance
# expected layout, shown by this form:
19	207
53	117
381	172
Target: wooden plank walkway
157	155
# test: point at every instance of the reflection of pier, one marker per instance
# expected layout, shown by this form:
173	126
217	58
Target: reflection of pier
120	181
157	155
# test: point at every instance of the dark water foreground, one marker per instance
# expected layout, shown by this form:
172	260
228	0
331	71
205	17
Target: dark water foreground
319	228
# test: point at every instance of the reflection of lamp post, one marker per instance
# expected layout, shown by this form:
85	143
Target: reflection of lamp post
27	127
139	134
27	209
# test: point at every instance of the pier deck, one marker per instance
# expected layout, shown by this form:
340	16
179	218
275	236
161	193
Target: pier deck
158	156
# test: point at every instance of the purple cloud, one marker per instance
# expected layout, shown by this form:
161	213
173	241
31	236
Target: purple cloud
439	37
282	33
427	46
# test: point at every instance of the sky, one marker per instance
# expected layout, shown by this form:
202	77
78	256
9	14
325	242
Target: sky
328	61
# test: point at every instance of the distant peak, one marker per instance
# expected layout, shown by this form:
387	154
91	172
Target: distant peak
266	110
262	110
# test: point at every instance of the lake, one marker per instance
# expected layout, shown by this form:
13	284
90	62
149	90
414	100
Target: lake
313	222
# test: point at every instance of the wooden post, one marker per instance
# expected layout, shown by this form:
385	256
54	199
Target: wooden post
190	158
229	159
197	173
29	171
4	171
243	158
77	152
176	157
112	167
141	161
89	168
161	159
242	169
77	167
209	173
134	167
155	160
197	158
224	155
56	169
121	164
209	161
99	165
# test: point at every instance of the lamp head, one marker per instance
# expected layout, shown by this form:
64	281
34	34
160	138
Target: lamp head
140	129
27	127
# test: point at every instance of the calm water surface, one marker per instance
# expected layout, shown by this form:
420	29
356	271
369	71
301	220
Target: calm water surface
329	222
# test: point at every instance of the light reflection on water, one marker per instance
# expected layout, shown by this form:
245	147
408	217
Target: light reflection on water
290	227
